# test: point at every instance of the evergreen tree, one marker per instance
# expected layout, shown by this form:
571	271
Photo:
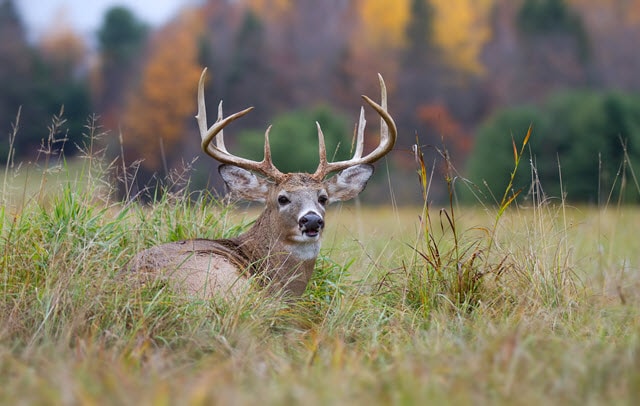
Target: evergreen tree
121	39
421	77
121	36
249	77
553	18
419	34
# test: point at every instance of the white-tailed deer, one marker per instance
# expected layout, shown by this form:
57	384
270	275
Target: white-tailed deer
281	248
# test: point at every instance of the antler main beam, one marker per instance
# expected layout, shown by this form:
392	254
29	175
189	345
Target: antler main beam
218	150
388	135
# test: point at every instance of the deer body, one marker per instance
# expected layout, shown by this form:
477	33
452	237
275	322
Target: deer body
281	248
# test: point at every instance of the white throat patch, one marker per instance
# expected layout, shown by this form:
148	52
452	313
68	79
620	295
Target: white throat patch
305	251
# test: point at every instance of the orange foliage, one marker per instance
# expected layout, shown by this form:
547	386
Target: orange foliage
159	108
439	120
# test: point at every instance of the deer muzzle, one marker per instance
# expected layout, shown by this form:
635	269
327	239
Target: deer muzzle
311	224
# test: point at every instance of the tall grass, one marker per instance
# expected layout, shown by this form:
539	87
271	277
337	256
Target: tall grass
514	304
461	269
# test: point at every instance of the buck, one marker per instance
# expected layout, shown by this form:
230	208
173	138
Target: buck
279	251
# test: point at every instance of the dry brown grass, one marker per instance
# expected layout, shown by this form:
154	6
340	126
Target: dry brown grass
553	318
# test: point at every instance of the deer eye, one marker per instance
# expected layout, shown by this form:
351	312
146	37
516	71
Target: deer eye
323	199
283	200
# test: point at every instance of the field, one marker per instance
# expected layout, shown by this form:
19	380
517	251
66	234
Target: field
536	305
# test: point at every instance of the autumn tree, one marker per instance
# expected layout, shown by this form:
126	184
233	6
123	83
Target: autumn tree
436	121
383	23
64	49
376	33
159	114
462	46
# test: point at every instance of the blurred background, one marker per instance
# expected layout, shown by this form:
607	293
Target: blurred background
465	77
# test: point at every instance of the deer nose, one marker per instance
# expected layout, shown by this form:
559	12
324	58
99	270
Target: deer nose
311	221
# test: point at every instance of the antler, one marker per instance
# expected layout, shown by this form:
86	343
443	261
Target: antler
388	135
219	150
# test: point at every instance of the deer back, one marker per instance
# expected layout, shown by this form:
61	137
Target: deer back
197	267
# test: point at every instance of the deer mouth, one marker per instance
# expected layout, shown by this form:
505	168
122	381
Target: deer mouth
312	233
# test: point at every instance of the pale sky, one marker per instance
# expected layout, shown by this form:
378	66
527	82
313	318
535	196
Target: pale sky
86	15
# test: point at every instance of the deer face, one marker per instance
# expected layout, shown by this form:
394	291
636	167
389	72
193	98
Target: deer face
295	205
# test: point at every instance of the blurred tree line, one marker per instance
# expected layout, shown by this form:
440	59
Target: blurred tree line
38	83
450	65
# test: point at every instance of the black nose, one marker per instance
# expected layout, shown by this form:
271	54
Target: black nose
311	221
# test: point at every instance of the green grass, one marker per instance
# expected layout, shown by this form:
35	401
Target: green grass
390	317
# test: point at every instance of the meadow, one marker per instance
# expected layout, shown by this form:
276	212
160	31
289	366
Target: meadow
528	302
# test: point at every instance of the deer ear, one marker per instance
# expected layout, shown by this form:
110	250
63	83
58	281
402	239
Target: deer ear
243	183
348	183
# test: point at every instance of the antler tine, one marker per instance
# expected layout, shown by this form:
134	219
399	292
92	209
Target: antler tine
360	135
388	135
384	128
219	150
267	145
321	146
220	137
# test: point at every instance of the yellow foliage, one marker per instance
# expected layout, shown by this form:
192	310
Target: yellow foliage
384	22
158	110
461	29
378	32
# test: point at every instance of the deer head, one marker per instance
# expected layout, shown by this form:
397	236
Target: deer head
296	200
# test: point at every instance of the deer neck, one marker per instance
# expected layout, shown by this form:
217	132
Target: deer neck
284	265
